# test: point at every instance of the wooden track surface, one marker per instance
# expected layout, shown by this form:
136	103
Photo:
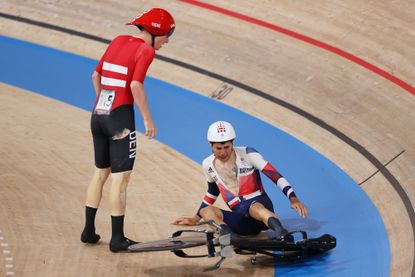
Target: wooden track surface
362	105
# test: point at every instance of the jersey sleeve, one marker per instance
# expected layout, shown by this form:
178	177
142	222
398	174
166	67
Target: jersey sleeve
210	196
99	65
279	180
144	57
265	167
256	158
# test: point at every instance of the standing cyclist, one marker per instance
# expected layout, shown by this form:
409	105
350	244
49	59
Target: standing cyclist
233	172
118	82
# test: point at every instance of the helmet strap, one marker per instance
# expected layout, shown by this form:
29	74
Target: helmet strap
153	40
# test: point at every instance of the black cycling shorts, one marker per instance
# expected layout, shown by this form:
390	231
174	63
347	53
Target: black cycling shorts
114	139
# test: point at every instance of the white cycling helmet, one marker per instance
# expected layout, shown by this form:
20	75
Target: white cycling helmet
220	131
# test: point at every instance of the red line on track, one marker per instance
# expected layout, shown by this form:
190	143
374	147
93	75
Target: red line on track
306	39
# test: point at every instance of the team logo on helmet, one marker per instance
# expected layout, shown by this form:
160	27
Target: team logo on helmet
220	131
221	128
156	25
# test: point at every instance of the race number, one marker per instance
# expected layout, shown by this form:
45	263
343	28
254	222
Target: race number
105	100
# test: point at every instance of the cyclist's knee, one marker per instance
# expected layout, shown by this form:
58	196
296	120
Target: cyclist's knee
260	212
121	179
102	173
210	212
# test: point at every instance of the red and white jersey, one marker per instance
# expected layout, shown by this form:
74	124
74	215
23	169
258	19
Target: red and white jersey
126	59
248	163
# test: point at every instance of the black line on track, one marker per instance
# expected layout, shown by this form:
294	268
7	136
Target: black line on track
358	147
385	165
54	27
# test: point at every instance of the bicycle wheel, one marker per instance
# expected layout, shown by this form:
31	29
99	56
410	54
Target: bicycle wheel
169	244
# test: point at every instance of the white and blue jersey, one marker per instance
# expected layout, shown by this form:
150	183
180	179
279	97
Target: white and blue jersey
249	164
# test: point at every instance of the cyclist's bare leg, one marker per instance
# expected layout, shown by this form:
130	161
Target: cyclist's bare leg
118	192
215	214
93	198
259	212
94	191
212	213
117	203
270	219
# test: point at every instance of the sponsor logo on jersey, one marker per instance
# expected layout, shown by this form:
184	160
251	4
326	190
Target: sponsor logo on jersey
244	170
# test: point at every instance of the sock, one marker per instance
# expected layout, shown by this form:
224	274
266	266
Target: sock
275	224
117	223
90	220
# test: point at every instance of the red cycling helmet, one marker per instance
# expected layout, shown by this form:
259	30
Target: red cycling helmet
157	22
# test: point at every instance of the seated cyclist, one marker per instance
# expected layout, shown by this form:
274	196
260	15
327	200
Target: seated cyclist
233	172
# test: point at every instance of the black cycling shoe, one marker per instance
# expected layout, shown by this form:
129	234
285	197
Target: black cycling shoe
121	246
89	238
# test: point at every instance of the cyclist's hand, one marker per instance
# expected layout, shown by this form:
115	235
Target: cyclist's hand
151	130
298	206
